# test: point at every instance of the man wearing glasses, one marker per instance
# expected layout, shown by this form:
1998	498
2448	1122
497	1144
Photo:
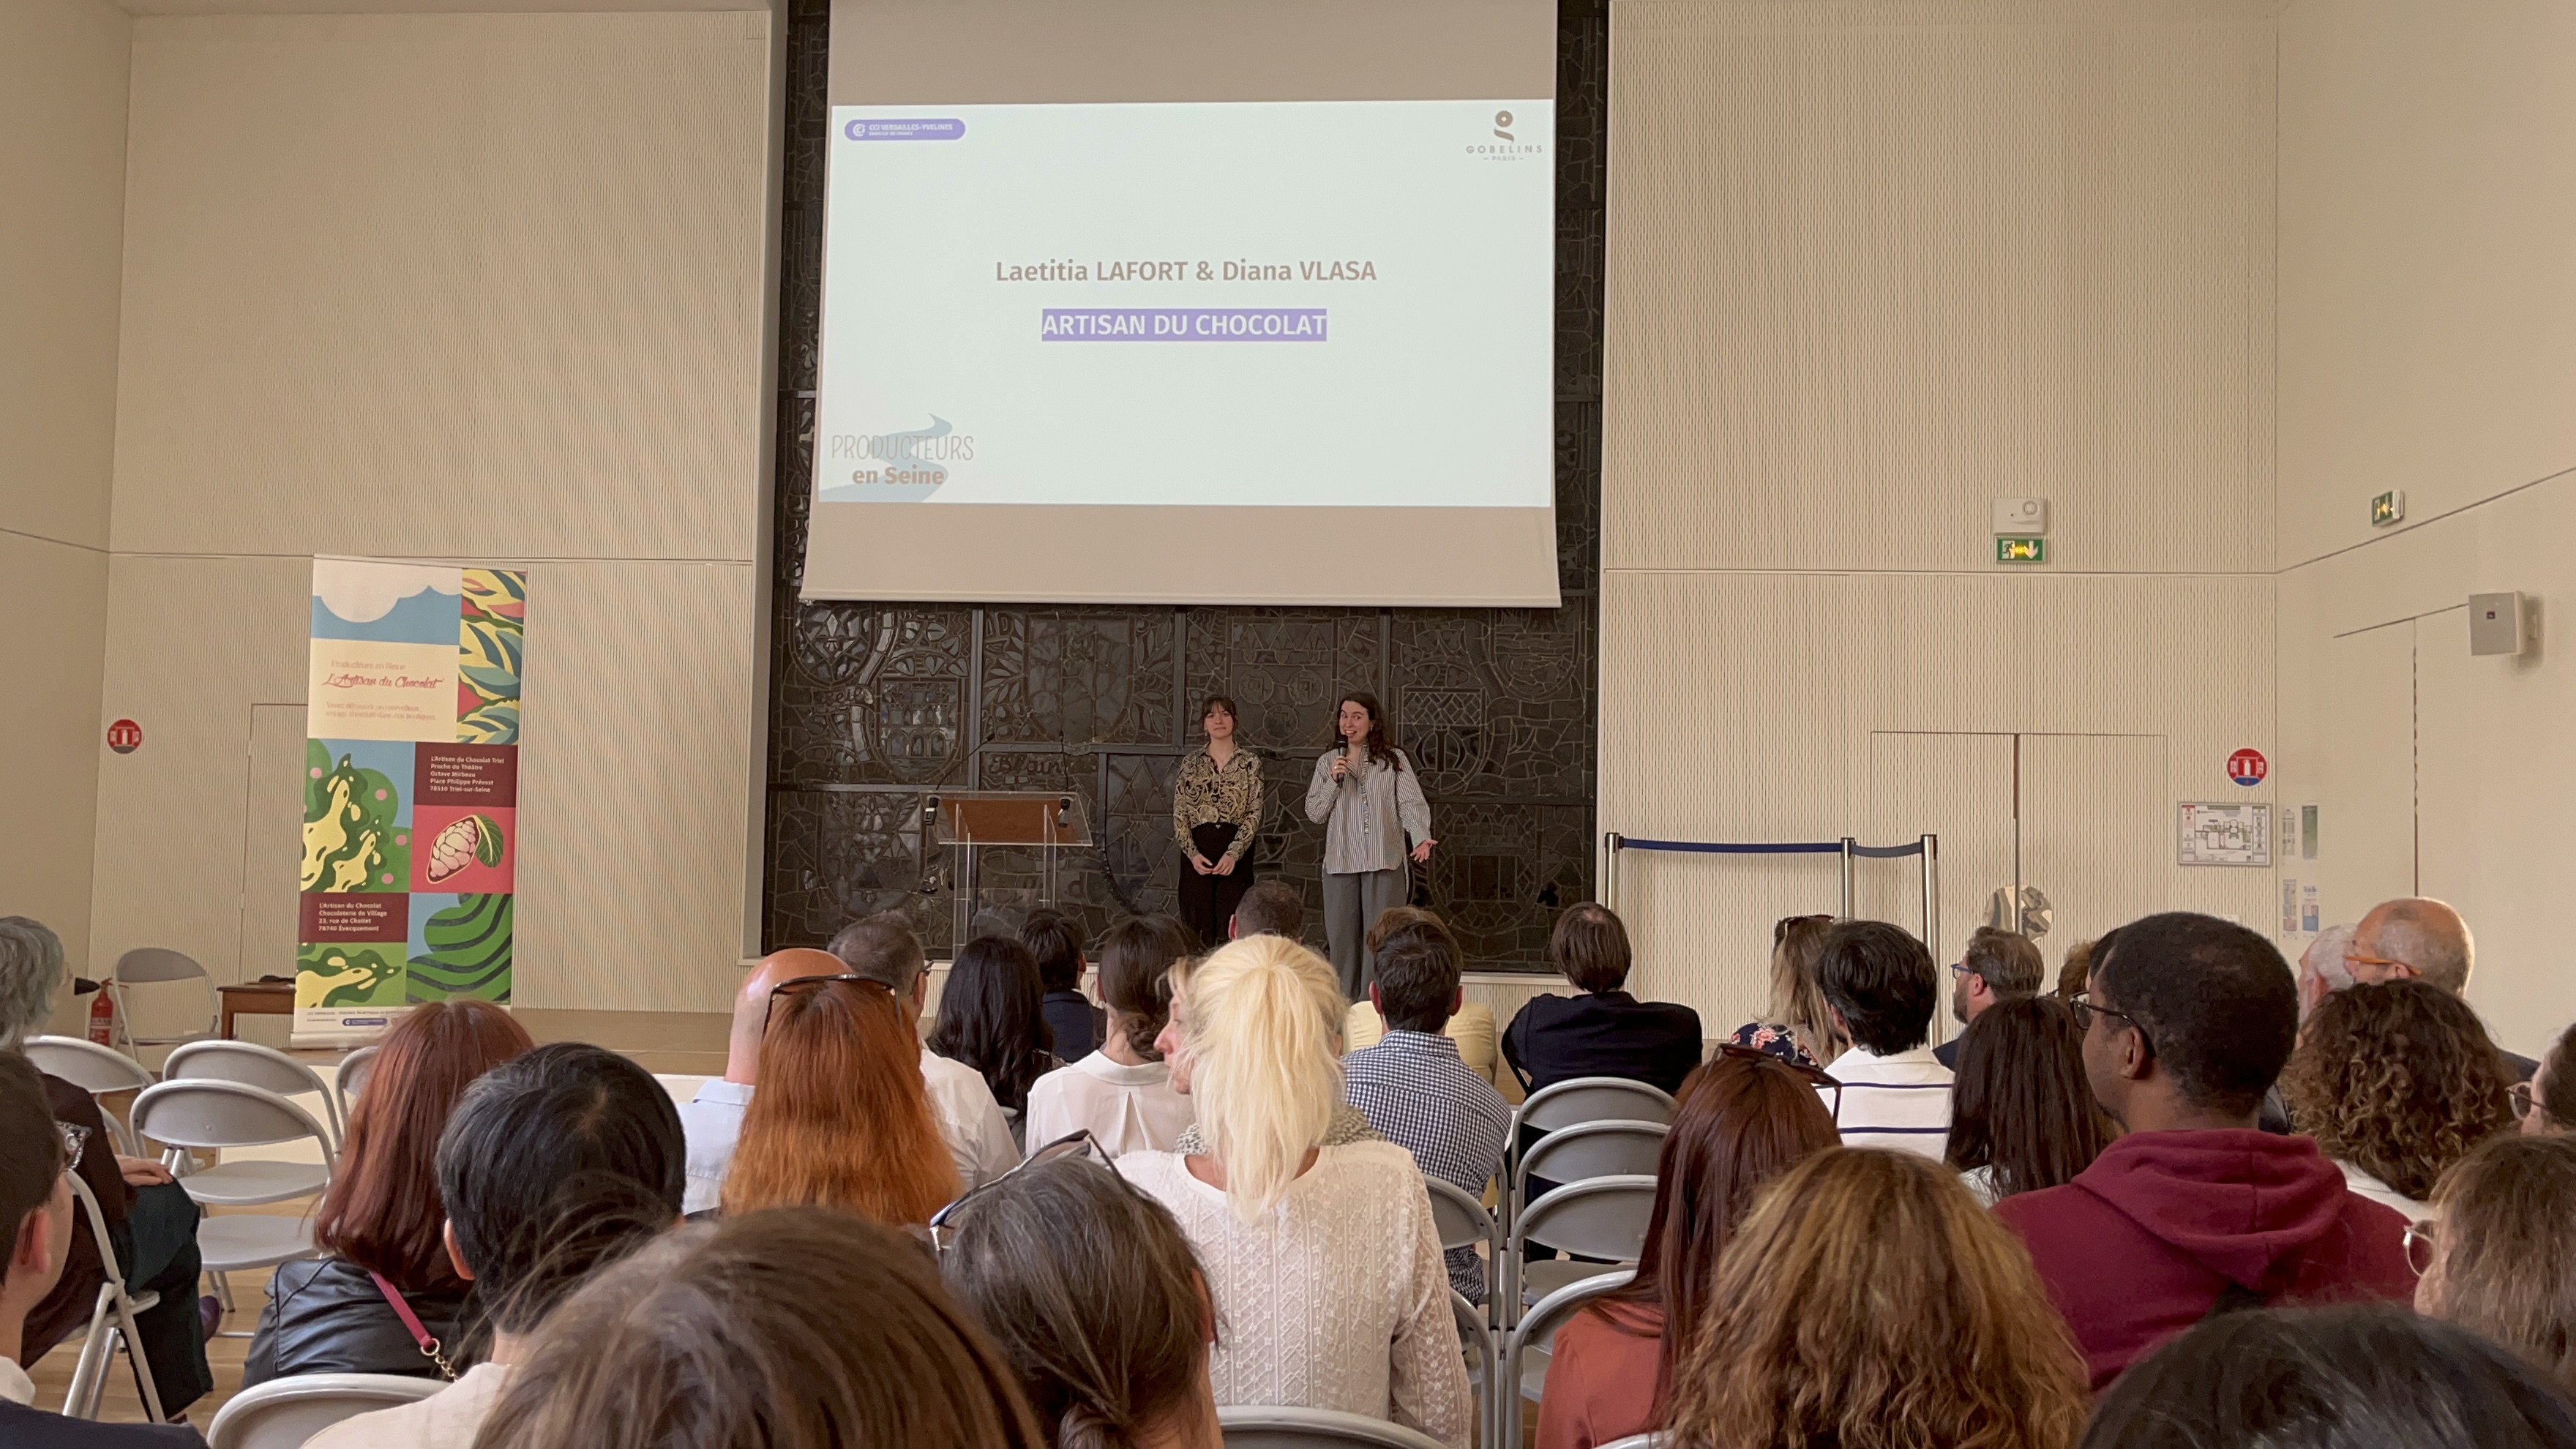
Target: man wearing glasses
2422	938
36	1224
2187	1021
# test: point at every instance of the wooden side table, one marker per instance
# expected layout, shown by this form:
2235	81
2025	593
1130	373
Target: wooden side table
256	998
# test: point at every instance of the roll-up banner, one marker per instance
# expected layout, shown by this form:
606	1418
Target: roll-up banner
411	792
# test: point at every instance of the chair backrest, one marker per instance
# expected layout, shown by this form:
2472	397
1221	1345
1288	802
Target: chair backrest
1478	1338
1462	1221
1537	1331
1250	1427
156	963
252	1065
283	1413
350	1077
87	1065
88	1203
1604	1218
215	1113
1593	1099
1594	1149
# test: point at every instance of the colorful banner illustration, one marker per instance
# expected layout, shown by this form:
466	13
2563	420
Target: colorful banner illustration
411	792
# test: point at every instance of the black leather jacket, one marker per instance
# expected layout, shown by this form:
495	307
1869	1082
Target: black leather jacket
324	1316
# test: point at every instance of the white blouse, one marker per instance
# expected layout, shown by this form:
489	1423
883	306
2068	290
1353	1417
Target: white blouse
2365	1185
1130	1109
1337	1300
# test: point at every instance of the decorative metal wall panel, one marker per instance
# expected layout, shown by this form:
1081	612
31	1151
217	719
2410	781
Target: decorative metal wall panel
874	705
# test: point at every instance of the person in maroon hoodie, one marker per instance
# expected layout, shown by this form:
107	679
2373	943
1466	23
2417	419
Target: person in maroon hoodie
2187	1020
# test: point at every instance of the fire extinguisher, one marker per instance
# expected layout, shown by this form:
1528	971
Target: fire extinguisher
102	1016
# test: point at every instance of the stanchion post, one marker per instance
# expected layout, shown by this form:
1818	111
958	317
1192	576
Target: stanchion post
1932	895
1610	869
1848	843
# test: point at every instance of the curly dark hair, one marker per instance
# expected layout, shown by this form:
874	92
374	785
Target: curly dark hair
2400	1080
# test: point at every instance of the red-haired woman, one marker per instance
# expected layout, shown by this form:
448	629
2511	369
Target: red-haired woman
842	1118
1745	1118
381	1223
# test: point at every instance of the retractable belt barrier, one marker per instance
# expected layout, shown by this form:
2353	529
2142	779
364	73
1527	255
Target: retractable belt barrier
1848	848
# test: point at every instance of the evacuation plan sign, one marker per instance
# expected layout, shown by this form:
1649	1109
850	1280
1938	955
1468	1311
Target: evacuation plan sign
2214	834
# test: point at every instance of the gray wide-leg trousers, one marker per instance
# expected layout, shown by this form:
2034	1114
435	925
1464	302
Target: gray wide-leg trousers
1352	903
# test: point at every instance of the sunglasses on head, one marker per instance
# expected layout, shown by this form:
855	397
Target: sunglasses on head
1072	1144
1816	1077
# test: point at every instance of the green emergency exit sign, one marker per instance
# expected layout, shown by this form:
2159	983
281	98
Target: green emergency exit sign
2021	550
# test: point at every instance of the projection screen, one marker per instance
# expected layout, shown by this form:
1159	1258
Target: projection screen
1188	301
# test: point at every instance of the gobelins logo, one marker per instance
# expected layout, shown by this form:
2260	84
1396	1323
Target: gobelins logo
1510	148
892	467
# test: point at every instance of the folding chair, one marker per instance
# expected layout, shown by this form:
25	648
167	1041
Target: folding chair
1579	1154
89	1371
283	1413
1603	1219
1477	1338
94	1069
1525	1379
1572	1103
152	965
1463	1223
1250	1427
217	1115
254	1065
350	1078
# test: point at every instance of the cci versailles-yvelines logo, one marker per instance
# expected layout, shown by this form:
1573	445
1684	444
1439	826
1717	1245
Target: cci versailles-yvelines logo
1505	146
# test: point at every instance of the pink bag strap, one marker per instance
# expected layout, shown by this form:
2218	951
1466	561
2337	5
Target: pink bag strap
421	1336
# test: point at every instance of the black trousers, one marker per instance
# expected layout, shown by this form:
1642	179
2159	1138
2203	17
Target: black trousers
1208	901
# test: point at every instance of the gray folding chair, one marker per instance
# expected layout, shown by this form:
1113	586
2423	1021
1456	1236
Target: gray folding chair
1578	1100
1249	1427
254	1065
155	965
1463	1223
1579	1154
1477	1337
111	1321
350	1078
217	1115
94	1069
1527	1351
283	1413
1603	1219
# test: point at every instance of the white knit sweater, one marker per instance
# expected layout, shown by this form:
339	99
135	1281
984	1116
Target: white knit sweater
1338	1299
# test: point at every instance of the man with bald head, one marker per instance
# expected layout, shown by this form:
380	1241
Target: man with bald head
712	1120
2420	938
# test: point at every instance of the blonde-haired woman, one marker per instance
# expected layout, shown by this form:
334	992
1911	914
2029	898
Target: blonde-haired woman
1868	1302
1322	1259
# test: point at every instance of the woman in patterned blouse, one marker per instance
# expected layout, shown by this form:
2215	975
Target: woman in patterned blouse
1216	810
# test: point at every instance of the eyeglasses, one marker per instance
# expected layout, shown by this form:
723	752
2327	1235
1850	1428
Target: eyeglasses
2524	1104
2355	958
1073	1144
1817	1078
2422	1243
2085	1008
798	983
75	1141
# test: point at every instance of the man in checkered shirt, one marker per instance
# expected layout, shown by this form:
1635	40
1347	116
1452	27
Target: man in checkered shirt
1413	1087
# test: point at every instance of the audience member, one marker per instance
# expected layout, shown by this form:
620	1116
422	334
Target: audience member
1869	1303
794	1328
2323	969
2397	1081
1093	1295
2546	1104
555	1165
1997	966
839	1121
712	1119
1414	1087
1603	1031
1122	1094
2502	1260
1271	908
991	1018
38	1221
1056	940
2072	970
1745	1118
381	1222
884	949
1471	1026
2022	1117
1800	1027
2187	1023
1881	986
2351	1377
2414	936
151	1220
1322	1260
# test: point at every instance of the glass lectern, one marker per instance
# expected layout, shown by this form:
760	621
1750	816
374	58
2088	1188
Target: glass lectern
1045	822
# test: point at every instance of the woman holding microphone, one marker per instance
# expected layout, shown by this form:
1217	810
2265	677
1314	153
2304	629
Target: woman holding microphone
1369	801
1216	810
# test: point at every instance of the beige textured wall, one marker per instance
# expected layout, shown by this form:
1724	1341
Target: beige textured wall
62	165
2428	342
1873	265
481	287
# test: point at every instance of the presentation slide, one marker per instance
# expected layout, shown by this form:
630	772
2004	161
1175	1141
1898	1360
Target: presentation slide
1254	303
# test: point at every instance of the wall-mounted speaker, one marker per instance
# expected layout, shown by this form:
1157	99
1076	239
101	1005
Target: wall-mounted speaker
2495	624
